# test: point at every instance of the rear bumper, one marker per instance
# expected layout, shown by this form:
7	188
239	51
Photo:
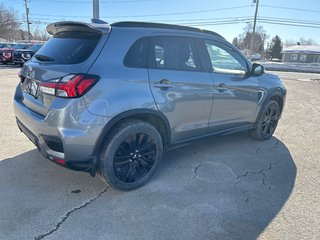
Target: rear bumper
69	144
88	165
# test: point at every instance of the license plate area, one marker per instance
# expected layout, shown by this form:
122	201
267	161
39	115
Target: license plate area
32	87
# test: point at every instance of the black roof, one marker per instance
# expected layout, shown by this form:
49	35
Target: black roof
162	25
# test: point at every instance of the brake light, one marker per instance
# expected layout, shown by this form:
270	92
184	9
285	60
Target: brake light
59	160
70	86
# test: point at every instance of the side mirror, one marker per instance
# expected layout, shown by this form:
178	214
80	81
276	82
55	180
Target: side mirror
257	69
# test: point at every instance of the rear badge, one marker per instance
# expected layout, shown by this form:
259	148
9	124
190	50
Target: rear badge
32	88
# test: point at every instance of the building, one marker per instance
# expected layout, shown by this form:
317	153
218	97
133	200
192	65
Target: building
302	54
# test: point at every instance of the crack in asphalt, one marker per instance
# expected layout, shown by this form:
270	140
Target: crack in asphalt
65	216
285	218
195	169
247	173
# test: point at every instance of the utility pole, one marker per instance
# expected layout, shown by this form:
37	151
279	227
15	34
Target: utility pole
254	24
255	16
95	9
28	23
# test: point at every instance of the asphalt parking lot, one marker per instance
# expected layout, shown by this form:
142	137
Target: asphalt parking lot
231	187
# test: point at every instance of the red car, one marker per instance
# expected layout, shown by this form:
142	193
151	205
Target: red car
6	54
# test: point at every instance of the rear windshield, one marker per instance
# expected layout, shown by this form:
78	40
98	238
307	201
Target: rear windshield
68	47
36	47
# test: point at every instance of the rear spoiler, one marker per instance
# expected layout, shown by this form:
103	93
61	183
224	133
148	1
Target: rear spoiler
67	26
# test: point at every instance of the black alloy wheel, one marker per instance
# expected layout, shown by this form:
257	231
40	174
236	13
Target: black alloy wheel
267	122
270	120
130	155
134	158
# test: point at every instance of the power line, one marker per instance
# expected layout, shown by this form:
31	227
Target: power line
289	24
284	20
154	15
207	20
289	8
90	2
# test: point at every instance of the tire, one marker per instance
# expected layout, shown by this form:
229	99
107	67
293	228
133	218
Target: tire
130	155
267	122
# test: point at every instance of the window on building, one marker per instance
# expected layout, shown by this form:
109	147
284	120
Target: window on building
303	58
294	57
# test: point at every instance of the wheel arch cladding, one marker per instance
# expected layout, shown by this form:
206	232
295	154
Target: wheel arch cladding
153	117
273	95
279	99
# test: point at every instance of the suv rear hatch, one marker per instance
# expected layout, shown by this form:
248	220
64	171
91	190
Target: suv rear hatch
68	54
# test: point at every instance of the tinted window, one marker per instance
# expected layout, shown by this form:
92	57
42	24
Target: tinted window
174	53
5	45
69	47
36	47
224	59
137	54
21	46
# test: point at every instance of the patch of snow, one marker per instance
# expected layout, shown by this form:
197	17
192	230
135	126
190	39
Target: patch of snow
292	67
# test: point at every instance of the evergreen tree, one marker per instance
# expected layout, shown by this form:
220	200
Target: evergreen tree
275	48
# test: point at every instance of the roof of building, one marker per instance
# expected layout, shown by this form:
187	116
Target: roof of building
302	49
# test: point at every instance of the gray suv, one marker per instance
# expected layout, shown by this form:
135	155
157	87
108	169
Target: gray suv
110	99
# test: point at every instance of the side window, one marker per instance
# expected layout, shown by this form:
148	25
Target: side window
174	53
224	59
137	54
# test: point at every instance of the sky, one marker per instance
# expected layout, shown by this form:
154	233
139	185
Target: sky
299	18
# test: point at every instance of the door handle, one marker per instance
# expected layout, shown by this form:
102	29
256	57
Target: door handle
221	87
164	84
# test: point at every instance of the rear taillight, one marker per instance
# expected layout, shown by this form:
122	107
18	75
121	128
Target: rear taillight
70	86
7	54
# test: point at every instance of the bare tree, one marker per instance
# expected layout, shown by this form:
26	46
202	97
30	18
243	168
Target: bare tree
301	41
246	40
9	24
39	32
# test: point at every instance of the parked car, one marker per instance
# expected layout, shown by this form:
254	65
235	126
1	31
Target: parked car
256	57
6	54
20	56
6	45
110	99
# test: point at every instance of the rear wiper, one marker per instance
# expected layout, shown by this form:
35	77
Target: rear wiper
43	58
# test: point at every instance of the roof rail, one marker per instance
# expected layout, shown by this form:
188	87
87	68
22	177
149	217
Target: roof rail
164	26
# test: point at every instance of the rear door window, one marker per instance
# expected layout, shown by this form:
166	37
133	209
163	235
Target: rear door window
68	47
174	53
